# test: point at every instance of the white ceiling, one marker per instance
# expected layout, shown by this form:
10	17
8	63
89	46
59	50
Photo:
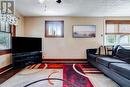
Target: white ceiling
74	8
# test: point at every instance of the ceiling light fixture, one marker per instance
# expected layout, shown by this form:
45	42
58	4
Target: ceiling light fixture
41	1
59	1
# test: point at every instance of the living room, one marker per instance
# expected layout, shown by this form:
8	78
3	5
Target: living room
34	19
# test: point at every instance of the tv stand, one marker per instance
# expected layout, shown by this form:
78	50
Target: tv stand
21	60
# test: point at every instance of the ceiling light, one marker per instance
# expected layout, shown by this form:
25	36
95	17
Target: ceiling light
59	1
41	1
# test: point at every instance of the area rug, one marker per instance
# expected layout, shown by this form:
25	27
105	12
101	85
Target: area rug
90	69
97	78
59	75
75	78
48	75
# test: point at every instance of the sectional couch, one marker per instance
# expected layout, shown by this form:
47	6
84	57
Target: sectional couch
115	66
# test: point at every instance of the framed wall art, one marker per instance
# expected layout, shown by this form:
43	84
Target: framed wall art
84	31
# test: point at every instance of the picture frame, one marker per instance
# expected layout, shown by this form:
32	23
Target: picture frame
84	31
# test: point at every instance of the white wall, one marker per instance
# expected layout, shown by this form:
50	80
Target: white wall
66	47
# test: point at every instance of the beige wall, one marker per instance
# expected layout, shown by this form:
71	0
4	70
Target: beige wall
20	25
117	18
66	47
5	60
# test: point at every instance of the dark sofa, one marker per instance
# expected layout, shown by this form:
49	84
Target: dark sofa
115	66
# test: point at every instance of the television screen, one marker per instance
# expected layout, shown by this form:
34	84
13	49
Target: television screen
26	44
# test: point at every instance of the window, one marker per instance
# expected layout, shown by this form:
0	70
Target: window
6	31
5	40
117	32
54	28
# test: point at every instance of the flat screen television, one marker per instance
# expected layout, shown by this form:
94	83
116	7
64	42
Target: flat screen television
26	44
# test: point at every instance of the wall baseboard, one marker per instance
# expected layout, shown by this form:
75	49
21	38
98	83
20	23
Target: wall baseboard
68	60
6	68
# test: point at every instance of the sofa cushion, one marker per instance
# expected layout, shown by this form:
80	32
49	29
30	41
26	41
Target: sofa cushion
92	57
107	60
114	49
121	68
123	54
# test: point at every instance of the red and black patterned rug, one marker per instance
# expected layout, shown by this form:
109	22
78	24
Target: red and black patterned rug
55	75
70	77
